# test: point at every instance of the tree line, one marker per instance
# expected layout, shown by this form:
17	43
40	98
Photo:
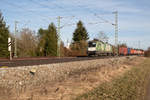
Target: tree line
42	43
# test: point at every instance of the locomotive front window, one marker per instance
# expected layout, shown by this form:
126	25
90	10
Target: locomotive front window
92	44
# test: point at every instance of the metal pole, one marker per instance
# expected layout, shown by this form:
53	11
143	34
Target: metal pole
10	56
58	29
15	54
116	31
139	44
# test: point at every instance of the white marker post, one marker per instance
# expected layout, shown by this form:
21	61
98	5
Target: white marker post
9	47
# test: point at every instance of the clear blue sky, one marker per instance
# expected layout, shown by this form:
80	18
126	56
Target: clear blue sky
134	17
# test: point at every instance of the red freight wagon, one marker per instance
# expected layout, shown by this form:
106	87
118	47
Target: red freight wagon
139	52
120	51
123	51
132	51
135	51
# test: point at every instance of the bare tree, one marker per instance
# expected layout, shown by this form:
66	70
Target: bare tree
27	43
102	36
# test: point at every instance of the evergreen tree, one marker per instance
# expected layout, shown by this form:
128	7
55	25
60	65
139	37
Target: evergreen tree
51	41
4	34
80	37
41	37
80	33
48	41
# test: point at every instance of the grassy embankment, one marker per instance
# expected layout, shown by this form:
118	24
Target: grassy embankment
130	86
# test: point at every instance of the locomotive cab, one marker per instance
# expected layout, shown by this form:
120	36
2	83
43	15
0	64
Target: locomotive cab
91	50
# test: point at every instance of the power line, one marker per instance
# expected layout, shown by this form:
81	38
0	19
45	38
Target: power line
44	5
89	23
58	30
106	21
95	14
29	11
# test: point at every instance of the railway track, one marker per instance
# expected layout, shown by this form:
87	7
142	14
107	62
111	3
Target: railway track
40	61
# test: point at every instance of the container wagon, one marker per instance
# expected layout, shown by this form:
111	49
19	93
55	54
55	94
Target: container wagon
123	51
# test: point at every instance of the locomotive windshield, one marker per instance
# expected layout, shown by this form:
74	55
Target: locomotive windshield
92	44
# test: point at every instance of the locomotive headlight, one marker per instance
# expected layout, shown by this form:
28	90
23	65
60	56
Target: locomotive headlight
92	49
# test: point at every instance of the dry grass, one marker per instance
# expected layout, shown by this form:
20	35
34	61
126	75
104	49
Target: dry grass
130	86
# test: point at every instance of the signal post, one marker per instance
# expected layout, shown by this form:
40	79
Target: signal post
9	48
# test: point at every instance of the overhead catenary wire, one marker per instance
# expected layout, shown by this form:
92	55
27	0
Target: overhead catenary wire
106	21
94	13
33	12
89	23
44	5
28	10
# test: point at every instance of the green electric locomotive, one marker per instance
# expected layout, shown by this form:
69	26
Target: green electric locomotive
99	48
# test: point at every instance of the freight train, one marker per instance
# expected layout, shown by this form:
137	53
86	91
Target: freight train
99	48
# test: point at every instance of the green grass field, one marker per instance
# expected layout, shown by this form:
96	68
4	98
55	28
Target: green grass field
130	86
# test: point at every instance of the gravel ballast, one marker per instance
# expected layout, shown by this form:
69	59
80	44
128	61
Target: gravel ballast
21	78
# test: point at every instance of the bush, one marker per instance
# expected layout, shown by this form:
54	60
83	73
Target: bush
79	48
